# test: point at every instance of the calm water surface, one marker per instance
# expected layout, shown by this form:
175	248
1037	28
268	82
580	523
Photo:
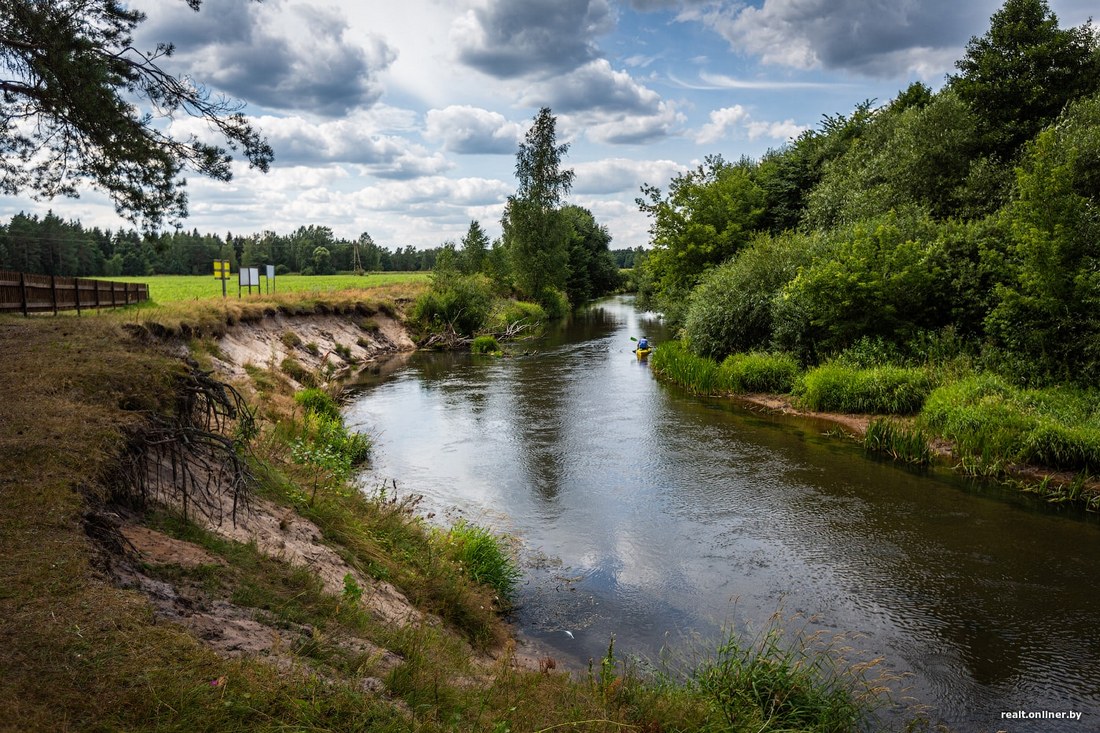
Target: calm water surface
661	519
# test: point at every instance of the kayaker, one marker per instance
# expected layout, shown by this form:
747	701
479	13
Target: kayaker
643	344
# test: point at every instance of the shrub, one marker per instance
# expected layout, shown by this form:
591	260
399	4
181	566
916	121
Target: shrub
460	302
507	312
554	303
731	309
760	372
880	390
294	369
484	345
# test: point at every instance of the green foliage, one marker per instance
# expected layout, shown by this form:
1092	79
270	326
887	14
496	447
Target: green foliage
554	303
290	339
592	269
1047	311
534	231
484	557
294	369
95	110
993	422
507	313
1021	74
899	441
760	372
908	156
475	248
731	309
707	216
776	683
484	345
697	373
884	277
461	302
882	390
319	402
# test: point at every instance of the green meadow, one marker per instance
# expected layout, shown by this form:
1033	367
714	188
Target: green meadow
174	288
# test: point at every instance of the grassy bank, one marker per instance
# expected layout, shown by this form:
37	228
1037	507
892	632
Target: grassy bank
994	428
81	653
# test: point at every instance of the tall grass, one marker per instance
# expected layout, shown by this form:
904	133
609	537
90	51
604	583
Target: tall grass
699	374
484	557
165	289
900	442
991	421
881	390
761	372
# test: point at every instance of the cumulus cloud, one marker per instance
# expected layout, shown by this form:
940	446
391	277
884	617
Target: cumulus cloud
721	120
621	129
617	175
277	54
472	130
871	37
594	86
730	120
352	141
508	39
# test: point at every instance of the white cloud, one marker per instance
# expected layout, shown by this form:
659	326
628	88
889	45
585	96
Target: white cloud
594	86
721	120
472	130
617	175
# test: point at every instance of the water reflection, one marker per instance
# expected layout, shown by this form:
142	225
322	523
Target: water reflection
655	516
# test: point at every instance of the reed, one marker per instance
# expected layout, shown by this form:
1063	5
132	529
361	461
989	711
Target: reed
899	441
697	373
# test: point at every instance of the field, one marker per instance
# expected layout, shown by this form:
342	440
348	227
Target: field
175	288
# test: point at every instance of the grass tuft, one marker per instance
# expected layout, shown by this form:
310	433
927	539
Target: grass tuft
881	390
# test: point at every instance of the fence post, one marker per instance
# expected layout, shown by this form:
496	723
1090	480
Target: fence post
23	292
76	291
53	292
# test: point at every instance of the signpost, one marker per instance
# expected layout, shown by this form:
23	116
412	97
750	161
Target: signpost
270	278
247	277
221	272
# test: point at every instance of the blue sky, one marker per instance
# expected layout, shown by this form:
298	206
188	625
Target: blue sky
402	119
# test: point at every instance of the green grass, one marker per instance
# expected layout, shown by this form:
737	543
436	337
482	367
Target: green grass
699	374
761	372
899	441
882	390
485	558
165	289
992	422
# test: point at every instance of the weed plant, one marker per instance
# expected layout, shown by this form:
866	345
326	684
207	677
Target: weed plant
899	441
485	558
882	390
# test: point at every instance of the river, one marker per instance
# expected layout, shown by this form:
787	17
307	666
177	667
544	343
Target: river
661	519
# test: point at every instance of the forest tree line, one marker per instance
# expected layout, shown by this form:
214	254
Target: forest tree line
52	246
962	220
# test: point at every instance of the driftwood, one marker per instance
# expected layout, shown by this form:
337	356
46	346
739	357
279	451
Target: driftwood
450	340
193	458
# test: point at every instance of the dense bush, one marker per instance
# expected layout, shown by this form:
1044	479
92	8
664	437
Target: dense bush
506	313
461	302
731	309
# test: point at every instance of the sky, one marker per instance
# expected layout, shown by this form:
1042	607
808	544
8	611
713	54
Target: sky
401	118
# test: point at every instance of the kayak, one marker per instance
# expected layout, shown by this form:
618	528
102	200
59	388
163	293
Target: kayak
643	353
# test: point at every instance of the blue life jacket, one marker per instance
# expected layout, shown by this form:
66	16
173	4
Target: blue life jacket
643	344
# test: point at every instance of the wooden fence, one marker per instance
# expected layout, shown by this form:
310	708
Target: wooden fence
40	293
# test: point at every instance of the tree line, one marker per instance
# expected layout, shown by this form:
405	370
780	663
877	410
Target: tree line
966	219
49	245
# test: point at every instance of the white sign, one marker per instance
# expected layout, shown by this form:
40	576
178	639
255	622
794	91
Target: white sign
249	276
270	272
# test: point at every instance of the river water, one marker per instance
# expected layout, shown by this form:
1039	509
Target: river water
663	520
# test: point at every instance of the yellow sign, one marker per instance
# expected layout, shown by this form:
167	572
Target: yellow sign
221	269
